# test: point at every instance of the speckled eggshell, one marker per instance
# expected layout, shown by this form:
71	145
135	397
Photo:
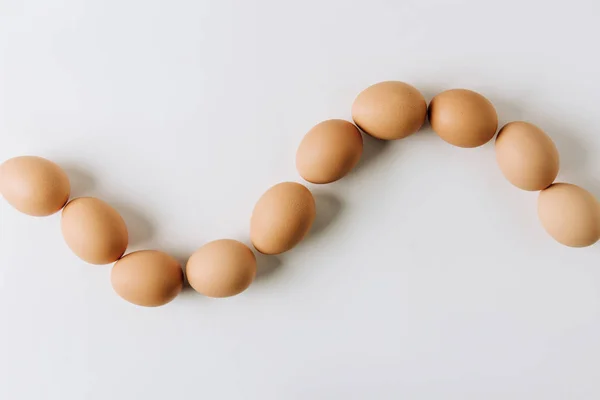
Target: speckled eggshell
329	151
570	214
282	217
94	231
34	186
463	118
147	278
527	157
221	268
389	110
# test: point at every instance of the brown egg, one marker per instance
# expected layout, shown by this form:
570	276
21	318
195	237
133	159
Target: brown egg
94	231
221	268
147	278
389	110
463	118
526	156
570	214
34	185
282	217
329	151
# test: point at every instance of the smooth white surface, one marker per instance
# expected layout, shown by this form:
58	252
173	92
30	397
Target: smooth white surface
428	276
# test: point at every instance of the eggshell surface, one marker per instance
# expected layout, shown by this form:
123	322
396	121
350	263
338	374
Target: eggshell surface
34	186
570	214
221	268
147	278
463	118
389	110
527	157
94	230
282	217
329	151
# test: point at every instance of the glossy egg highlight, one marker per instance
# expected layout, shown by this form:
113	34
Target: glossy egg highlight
34	185
147	278
526	155
94	230
282	217
463	118
389	110
221	268
329	151
570	214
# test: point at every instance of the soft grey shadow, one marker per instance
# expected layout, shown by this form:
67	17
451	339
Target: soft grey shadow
508	110
372	150
429	92
82	181
266	266
141	228
182	256
329	207
591	184
573	154
426	127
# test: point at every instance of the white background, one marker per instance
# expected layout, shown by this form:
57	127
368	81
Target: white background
427	276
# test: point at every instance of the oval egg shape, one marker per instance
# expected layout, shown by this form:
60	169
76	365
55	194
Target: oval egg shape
463	118
221	268
94	231
282	217
329	151
570	214
389	110
147	278
526	155
34	185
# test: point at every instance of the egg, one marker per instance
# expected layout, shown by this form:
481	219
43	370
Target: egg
282	217
329	151
570	214
94	231
221	268
463	118
389	110
147	278
34	186
527	157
